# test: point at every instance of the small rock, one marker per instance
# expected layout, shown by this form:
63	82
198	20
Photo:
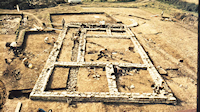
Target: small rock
192	80
186	87
131	48
24	60
181	85
135	71
9	61
130	74
158	66
180	60
114	52
74	105
162	71
132	87
46	51
30	66
98	76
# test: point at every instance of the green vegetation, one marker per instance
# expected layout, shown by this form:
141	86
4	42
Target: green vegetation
108	0
155	7
182	5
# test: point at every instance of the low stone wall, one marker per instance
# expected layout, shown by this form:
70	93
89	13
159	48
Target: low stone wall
105	97
158	96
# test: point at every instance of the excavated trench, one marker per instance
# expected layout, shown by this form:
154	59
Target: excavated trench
73	71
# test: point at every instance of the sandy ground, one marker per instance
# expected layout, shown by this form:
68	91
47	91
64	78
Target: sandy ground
141	80
87	83
9	24
67	46
58	78
87	18
117	48
166	43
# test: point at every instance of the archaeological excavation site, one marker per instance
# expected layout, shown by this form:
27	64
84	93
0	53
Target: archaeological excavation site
98	56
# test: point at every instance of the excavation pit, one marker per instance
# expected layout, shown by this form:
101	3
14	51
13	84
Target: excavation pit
97	32
134	81
67	46
92	79
117	51
58	79
119	33
83	17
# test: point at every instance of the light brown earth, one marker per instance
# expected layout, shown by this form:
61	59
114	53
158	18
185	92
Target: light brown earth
67	46
86	82
117	48
141	80
58	78
9	27
166	42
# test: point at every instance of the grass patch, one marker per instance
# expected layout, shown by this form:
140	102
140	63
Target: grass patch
182	5
155	7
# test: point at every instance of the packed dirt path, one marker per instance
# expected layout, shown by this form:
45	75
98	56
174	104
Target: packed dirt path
167	43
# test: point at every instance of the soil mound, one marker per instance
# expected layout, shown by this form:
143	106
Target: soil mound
189	19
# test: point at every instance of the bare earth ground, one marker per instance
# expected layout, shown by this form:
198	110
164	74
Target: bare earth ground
58	78
67	46
89	84
166	43
4	24
119	46
141	80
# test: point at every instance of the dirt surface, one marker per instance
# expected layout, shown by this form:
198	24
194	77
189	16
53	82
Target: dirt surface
89	82
36	51
58	79
3	50
135	81
67	45
9	24
87	18
170	45
117	50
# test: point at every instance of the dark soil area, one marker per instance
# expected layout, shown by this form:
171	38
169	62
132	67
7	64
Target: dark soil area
29	4
182	5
